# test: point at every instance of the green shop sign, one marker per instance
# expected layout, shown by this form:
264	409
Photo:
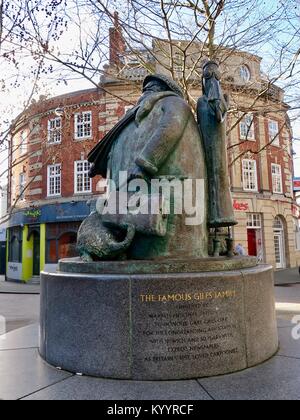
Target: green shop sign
33	214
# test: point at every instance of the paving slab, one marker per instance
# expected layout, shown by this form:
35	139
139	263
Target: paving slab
289	345
84	388
284	321
288	294
24	338
277	379
289	276
17	311
23	372
9	287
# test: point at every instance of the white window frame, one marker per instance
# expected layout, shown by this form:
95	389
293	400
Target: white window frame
254	221
277	179
247	128
245	73
84	174
273	128
23	143
22	186
57	180
82	125
297	233
55	130
249	175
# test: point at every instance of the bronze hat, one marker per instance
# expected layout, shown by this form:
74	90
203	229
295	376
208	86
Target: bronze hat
211	68
174	87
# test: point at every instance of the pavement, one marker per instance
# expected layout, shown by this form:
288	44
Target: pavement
25	376
289	276
18	288
18	311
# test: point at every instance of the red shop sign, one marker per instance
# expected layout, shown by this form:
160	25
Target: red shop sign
240	206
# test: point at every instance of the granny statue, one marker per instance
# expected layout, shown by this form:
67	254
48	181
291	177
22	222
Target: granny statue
211	113
158	140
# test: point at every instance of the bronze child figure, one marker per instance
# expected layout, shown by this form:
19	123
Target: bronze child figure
211	113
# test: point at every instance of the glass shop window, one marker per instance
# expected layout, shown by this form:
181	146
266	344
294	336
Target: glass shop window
61	241
67	246
15	245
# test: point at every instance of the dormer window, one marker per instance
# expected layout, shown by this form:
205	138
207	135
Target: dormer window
245	74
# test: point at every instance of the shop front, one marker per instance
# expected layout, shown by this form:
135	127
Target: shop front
39	237
269	230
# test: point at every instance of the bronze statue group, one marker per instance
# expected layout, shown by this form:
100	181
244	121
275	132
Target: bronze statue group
160	138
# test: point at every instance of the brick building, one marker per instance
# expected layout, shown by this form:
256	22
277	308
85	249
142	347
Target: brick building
50	192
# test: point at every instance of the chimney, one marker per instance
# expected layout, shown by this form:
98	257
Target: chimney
117	44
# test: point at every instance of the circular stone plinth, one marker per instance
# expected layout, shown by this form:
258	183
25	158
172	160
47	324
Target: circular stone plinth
165	266
159	326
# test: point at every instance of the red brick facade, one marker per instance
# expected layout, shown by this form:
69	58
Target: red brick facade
41	154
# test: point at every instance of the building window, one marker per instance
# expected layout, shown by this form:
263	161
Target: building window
247	131
83	183
278	225
250	175
54	131
245	74
22	186
67	245
279	243
254	221
274	133
15	245
54	180
277	179
297	233
61	241
23	143
83	125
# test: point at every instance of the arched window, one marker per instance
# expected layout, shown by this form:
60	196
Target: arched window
245	74
15	255
15	245
297	233
278	224
61	239
279	242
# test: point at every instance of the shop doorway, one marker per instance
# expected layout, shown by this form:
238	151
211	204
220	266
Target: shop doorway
36	254
252	245
35	238
255	236
279	243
